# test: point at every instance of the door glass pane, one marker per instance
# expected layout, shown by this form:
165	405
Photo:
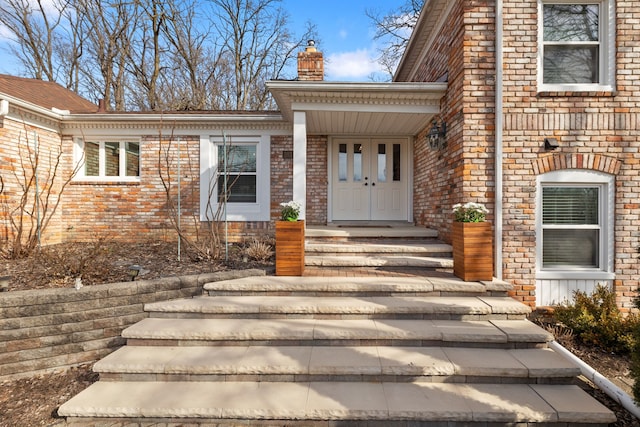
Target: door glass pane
132	160
396	162
382	163
342	162
91	158
112	158
357	162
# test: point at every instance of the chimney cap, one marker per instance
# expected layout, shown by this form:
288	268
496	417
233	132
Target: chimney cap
311	46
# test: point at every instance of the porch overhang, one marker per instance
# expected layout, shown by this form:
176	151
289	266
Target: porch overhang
359	108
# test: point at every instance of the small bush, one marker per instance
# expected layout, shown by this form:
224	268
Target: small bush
259	251
596	320
89	261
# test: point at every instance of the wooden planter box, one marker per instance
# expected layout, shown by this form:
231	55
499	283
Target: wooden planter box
472	251
289	248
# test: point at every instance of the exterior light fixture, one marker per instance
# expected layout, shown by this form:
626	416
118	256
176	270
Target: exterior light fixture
551	143
134	271
4	283
436	135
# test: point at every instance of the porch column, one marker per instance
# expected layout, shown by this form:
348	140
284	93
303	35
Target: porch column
300	160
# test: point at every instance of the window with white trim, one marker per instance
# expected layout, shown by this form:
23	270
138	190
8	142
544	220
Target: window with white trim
575	222
235	177
108	159
576	45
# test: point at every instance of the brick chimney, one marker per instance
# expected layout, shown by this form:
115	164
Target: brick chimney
310	63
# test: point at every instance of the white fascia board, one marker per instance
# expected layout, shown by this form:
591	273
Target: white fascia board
433	108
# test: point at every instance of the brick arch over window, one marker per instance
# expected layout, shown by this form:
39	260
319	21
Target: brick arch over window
596	162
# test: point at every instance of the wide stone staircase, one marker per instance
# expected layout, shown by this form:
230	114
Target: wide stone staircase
328	351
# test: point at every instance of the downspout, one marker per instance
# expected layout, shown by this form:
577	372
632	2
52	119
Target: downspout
498	143
612	390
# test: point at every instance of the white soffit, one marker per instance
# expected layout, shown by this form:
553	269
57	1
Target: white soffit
360	108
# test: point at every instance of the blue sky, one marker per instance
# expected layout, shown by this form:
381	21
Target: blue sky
345	36
345	32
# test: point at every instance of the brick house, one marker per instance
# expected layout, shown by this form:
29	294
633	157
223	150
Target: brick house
526	106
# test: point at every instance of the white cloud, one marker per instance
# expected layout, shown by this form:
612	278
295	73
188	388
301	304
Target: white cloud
351	66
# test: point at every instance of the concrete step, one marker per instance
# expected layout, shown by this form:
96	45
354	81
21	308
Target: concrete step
377	261
435	285
433	249
345	403
385	307
314	363
240	331
401	232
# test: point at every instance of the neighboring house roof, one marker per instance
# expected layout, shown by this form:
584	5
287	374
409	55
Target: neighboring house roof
45	94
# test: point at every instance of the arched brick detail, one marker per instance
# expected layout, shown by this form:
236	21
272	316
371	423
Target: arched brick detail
596	162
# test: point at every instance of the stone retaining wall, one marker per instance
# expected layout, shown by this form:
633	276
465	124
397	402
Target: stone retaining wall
53	328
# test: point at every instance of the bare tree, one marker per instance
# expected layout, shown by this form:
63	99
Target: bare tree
393	30
40	182
35	27
258	45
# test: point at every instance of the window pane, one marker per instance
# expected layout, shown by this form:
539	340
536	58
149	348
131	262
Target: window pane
132	160
342	162
112	158
570	205
357	162
91	159
570	247
571	22
382	163
242	188
396	162
571	64
240	158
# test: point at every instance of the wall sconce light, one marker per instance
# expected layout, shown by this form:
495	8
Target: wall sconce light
134	271
436	135
551	143
4	283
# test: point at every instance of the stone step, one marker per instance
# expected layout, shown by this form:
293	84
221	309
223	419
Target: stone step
434	285
319	332
434	249
345	403
316	233
313	363
386	307
377	261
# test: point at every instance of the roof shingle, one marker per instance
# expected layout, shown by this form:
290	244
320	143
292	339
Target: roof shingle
45	94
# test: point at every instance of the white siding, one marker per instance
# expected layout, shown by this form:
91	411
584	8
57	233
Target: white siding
553	292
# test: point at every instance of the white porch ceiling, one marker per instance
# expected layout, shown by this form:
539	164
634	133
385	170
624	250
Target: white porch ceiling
360	108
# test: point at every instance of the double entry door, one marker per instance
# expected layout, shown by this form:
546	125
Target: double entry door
369	179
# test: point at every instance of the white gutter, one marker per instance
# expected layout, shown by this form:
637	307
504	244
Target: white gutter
498	143
612	390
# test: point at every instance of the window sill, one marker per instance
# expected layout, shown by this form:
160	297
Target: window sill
575	274
577	91
106	181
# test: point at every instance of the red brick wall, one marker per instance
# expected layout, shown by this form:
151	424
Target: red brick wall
598	131
463	171
17	160
317	179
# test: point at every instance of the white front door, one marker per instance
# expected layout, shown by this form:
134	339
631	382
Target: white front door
369	179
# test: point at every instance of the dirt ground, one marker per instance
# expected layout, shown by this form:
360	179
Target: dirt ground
33	401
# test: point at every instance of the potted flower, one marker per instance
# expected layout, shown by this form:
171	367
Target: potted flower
290	241
472	242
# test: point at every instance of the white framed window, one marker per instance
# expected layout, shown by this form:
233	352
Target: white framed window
108	159
575	225
241	165
576	45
